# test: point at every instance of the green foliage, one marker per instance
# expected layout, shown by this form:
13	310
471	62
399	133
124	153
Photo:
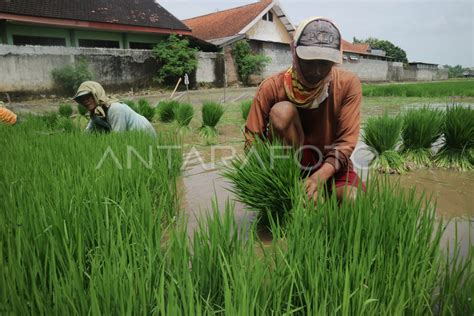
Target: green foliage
421	128
184	114
82	109
455	71
145	109
65	110
391	49
167	110
458	130
176	58
382	135
263	180
245	108
248	63
50	119
69	78
431	89
67	125
131	104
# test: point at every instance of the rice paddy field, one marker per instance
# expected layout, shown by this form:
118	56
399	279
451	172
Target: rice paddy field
453	88
129	224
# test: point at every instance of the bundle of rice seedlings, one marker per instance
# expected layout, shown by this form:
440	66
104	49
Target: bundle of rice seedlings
421	128
65	110
382	134
245	108
82	110
50	119
265	179
167	110
66	125
184	115
458	149
145	109
211	115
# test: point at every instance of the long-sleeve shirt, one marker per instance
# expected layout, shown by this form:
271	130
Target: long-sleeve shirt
333	127
7	116
122	118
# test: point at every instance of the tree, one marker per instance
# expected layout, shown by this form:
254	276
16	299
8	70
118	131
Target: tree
391	49
247	62
456	71
176	58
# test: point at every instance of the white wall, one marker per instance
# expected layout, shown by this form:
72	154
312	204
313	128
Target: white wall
269	31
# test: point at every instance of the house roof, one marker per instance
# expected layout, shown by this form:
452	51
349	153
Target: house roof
140	13
227	23
355	48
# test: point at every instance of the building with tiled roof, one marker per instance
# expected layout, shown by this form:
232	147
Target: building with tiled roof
263	23
86	23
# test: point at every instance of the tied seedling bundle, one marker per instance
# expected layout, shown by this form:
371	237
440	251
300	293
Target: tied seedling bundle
245	108
211	115
458	130
421	129
382	135
167	110
146	110
184	115
265	179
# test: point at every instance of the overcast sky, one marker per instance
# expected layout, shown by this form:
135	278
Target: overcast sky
439	31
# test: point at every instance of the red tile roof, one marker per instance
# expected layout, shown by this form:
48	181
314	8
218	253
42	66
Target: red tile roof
225	23
355	48
144	13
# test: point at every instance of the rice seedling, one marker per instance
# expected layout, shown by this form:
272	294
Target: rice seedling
421	129
458	130
131	104
65	110
382	135
431	89
167	110
184	115
145	109
50	119
245	108
211	115
82	110
66	125
265	178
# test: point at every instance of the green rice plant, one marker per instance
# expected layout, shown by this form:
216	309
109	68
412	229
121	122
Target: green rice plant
82	110
184	115
50	119
421	129
65	110
245	108
382	135
66	124
458	130
167	110
145	109
426	89
265	178
211	114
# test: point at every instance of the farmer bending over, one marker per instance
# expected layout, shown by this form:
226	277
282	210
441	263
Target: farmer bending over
314	107
7	117
108	114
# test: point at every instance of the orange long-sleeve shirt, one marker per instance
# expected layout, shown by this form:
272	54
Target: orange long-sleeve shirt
7	116
333	127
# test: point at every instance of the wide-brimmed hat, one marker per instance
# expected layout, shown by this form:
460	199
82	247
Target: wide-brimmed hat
318	39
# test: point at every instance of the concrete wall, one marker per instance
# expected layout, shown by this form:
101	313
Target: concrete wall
280	55
27	69
367	69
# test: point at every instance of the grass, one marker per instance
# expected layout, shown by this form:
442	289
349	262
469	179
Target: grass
263	179
433	89
421	129
458	130
167	111
245	108
382	135
184	115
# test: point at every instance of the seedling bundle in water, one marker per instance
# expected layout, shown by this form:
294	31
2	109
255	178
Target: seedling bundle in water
382	135
421	129
458	130
266	177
